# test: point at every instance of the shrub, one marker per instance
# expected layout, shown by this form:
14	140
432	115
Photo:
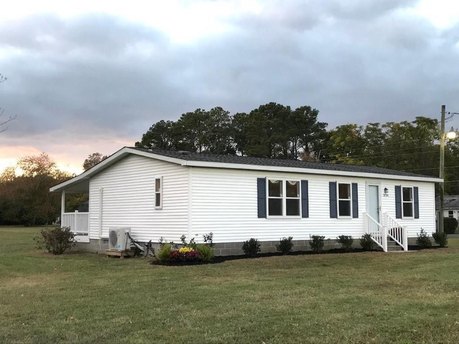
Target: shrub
317	243
450	225
56	240
251	247
367	242
285	245
423	240
441	239
346	242
206	252
164	252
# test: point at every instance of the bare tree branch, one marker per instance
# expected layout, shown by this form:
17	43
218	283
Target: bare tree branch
10	118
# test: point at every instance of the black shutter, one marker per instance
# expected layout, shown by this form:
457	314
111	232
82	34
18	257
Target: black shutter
304	199
261	194
355	201
416	202
398	202
332	197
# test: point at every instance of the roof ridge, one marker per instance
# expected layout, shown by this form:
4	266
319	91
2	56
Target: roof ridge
264	161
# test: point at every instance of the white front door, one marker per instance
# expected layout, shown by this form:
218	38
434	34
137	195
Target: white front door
373	202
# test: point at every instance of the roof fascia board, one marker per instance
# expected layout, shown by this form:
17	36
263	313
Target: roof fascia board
309	171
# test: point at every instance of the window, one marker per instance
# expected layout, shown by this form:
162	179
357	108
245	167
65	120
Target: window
451	213
159	193
407	201
292	199
283	197
344	200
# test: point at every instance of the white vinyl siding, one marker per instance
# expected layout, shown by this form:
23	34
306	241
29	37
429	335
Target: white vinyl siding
426	207
129	199
201	200
225	202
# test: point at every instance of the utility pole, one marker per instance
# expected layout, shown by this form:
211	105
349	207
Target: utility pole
442	170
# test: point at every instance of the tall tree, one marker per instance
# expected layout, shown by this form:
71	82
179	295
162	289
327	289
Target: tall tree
346	144
161	135
307	134
25	199
239	126
267	134
92	160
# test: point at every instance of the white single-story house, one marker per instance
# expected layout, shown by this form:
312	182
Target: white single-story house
167	194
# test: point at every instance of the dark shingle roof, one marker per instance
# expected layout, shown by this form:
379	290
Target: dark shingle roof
450	202
234	159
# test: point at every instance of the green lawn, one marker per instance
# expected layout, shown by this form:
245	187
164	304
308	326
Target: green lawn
328	298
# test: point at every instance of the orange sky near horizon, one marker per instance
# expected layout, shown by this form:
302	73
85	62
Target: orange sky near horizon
68	158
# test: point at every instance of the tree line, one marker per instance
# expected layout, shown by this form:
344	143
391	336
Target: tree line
277	131
271	130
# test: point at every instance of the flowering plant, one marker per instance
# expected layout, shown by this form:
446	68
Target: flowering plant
184	254
185	249
188	253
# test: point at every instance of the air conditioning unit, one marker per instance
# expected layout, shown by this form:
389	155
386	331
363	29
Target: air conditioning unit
118	239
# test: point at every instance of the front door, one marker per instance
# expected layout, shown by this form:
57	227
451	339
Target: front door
373	202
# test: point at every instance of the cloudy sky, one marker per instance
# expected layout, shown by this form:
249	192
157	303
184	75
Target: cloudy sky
92	76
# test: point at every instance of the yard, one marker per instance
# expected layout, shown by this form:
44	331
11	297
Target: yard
326	298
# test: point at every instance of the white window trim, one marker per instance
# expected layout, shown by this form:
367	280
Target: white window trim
344	199
283	198
403	202
161	187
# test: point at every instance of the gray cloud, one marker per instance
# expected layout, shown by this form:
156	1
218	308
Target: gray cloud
98	76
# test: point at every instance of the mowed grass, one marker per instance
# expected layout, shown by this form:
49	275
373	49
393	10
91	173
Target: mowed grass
326	298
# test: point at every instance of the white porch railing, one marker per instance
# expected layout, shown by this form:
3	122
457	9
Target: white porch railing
395	231
389	228
78	223
377	231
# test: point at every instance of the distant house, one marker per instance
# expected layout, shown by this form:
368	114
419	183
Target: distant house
166	194
450	206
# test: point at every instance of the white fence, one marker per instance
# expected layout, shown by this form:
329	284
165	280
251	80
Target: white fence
78	223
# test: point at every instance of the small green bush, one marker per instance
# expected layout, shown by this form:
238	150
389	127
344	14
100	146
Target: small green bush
367	242
55	240
251	247
164	252
423	240
285	245
450	225
317	243
441	239
205	252
346	242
